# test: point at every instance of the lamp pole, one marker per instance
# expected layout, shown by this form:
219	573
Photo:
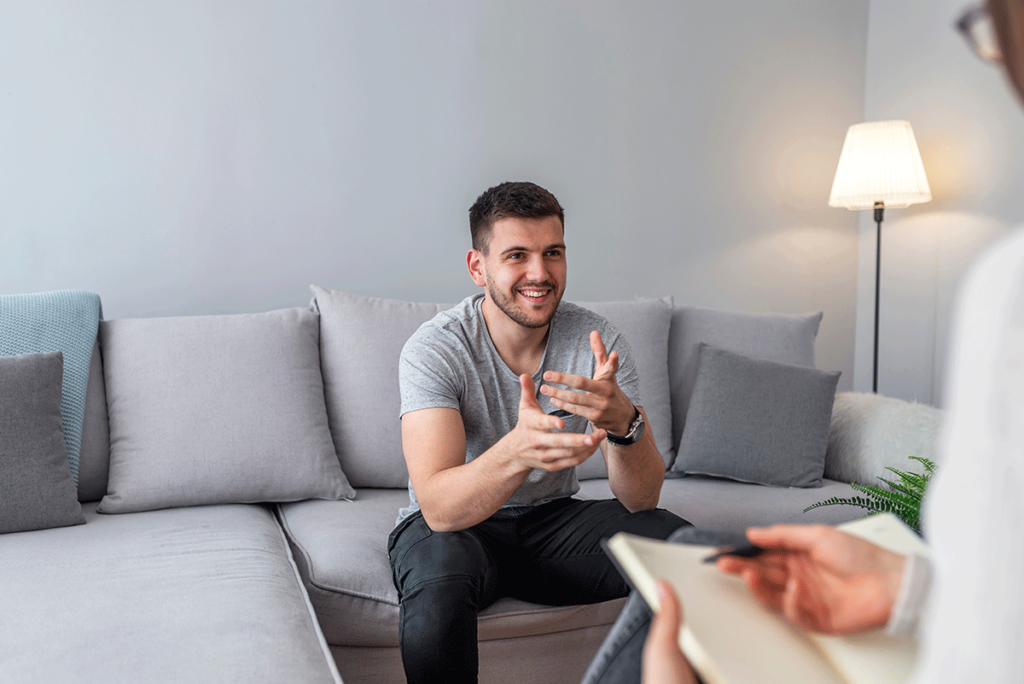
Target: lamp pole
879	211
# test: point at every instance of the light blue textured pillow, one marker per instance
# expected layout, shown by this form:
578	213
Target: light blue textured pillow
64	321
757	421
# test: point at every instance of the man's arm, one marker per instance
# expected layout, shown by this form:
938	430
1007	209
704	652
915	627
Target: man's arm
635	472
453	494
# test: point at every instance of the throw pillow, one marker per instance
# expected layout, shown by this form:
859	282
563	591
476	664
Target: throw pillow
36	488
757	421
361	339
870	432
217	409
775	337
645	323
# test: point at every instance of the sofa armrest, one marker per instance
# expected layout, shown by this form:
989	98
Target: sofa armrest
869	432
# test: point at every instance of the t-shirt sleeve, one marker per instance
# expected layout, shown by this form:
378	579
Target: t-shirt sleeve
426	373
628	376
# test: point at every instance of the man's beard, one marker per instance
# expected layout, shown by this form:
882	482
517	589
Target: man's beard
506	303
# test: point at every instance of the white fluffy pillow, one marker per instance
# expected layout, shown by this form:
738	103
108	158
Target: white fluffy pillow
869	432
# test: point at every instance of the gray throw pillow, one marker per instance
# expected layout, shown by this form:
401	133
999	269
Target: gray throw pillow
776	337
361	339
217	409
36	488
645	323
757	421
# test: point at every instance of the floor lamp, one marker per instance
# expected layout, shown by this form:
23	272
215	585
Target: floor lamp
880	166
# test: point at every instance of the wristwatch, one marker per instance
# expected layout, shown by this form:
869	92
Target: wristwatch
636	428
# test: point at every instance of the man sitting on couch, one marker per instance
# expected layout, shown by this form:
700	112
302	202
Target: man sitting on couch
492	460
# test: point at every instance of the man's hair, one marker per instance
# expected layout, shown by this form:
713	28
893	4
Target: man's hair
511	199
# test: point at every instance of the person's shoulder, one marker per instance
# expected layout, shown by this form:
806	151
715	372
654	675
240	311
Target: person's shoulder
449	327
571	311
574	317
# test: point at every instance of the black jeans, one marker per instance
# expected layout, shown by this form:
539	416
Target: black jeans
549	554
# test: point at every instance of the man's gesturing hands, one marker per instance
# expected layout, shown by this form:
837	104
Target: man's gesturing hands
536	442
599	399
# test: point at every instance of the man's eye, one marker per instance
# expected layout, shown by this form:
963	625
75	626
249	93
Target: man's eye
554	253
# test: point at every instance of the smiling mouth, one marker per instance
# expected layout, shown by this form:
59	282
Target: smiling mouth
535	294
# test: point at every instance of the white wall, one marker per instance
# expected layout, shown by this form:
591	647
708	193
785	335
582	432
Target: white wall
970	129
208	157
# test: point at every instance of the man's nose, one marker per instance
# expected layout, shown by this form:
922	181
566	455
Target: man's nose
536	269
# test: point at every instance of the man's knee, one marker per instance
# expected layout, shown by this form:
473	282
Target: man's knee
451	557
659	523
656	523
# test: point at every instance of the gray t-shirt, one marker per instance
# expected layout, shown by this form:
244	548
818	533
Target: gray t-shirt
451	362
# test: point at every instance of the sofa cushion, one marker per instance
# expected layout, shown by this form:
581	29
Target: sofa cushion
775	337
645	323
340	548
361	339
217	409
723	504
757	421
36	489
94	462
202	594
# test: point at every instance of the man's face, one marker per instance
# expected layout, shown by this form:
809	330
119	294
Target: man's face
524	270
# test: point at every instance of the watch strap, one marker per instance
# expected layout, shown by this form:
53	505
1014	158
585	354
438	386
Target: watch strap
636	429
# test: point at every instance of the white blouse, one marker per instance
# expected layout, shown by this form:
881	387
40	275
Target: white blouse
972	629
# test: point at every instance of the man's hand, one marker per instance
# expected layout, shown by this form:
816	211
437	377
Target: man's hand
535	442
820	578
663	661
599	399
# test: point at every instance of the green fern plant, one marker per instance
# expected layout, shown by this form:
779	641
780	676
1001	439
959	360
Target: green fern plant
903	498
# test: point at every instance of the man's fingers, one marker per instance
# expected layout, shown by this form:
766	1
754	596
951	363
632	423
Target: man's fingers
597	345
528	393
607	364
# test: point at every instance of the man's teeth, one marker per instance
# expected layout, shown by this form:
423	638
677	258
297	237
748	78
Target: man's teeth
535	294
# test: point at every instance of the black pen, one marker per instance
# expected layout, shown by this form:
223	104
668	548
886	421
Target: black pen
740	550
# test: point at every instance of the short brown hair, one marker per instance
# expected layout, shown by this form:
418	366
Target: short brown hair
1008	20
510	199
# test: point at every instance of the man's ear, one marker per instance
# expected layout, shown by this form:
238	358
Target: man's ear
475	264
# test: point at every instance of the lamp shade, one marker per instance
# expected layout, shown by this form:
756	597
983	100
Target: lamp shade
880	162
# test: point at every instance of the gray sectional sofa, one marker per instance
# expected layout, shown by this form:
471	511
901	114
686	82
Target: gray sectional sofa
239	475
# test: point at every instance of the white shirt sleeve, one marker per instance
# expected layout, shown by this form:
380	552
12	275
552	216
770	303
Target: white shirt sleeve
973	628
915	586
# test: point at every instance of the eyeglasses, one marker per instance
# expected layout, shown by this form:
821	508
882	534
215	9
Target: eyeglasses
980	33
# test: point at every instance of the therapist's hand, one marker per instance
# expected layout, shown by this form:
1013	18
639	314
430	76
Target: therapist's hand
820	578
663	661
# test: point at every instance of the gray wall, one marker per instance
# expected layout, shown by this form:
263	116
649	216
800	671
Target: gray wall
970	129
211	157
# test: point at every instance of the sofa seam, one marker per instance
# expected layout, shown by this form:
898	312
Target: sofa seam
325	648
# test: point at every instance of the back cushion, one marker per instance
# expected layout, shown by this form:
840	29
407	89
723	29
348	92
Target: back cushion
773	337
361	339
217	409
94	461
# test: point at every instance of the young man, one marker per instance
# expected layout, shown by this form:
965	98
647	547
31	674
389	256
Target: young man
492	458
